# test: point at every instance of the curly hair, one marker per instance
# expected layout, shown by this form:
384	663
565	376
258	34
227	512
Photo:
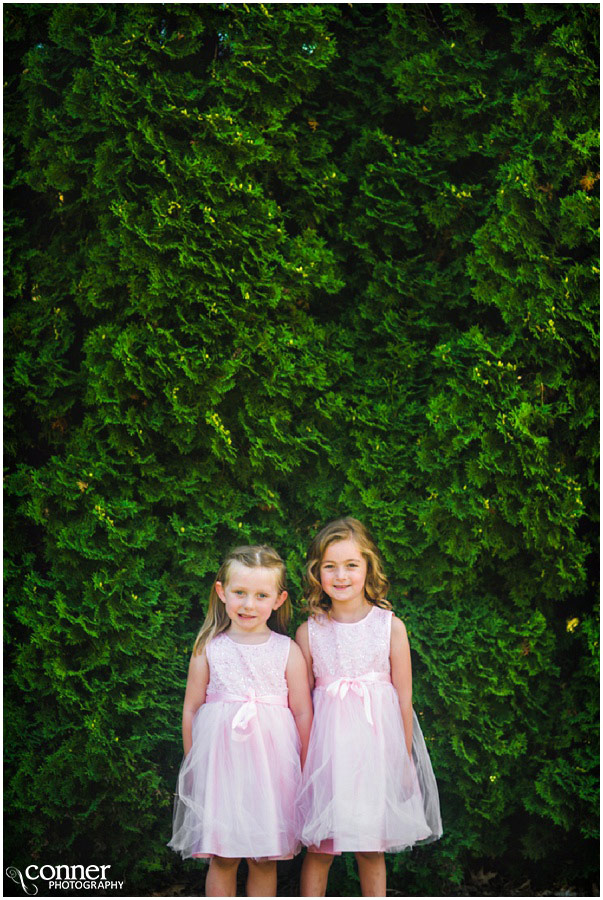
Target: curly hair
376	585
257	556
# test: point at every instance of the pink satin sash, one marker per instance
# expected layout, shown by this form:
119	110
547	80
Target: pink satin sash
248	710
339	687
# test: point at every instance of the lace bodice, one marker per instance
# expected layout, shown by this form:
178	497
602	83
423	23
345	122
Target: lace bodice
350	648
237	668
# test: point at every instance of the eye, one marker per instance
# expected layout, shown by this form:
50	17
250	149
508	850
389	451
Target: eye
263	596
238	592
353	565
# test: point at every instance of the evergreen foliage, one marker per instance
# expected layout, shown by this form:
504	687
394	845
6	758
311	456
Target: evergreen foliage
264	265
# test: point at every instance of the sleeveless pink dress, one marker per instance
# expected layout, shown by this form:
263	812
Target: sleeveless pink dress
360	788
237	786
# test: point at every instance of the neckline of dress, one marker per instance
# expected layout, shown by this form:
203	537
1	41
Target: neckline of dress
242	644
363	619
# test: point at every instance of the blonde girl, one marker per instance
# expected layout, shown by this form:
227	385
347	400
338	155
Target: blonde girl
368	786
245	727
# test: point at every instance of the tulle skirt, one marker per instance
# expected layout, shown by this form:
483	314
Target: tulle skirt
361	790
236	793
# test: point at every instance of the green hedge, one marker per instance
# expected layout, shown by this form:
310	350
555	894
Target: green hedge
267	264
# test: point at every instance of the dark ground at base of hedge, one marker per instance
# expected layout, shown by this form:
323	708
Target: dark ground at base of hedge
495	888
482	883
479	885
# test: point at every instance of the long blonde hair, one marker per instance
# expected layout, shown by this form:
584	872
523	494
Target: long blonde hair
257	556
376	584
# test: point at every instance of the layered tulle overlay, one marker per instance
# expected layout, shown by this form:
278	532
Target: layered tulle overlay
237	786
361	790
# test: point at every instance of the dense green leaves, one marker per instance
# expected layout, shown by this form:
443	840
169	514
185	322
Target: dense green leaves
266	264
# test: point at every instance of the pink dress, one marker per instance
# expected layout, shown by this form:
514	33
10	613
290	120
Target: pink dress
360	789
237	786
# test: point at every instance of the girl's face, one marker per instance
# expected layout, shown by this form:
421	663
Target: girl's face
343	572
250	596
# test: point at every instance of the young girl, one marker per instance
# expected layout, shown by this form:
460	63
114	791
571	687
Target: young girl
368	785
246	720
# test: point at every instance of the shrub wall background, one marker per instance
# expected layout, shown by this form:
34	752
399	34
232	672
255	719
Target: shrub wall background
266	264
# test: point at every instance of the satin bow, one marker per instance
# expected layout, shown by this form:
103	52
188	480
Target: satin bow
357	684
243	717
248	709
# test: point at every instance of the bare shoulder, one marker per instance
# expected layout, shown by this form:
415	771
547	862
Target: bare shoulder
302	642
399	649
301	635
199	664
197	681
399	637
296	657
302	638
398	628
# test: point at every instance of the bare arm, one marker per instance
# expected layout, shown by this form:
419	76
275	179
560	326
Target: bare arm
194	697
303	642
399	656
300	700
